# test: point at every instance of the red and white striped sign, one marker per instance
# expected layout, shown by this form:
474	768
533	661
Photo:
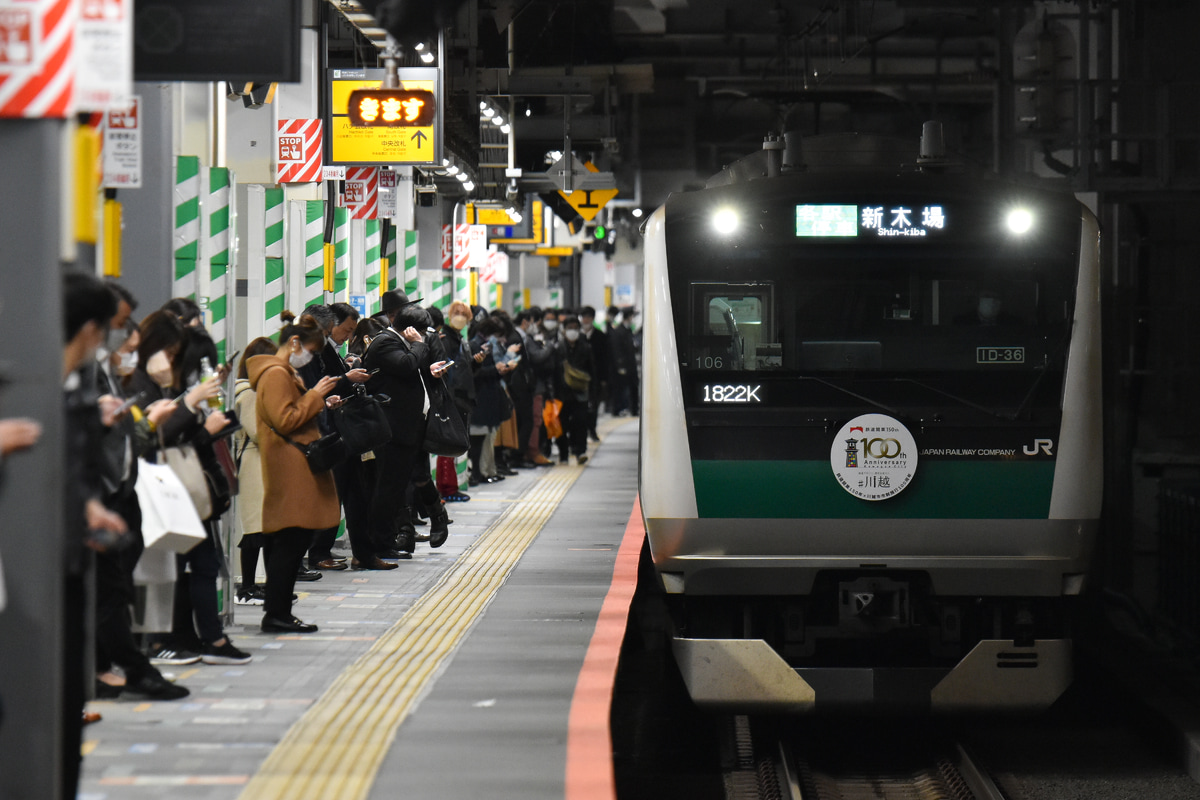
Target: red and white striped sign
37	58
496	268
462	246
298	151
361	192
447	239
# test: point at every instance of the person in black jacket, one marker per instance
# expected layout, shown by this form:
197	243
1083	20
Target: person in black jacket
597	339
572	381
402	358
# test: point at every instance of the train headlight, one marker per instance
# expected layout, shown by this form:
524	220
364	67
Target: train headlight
725	221
1019	221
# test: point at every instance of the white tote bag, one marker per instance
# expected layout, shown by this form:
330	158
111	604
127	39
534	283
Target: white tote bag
169	518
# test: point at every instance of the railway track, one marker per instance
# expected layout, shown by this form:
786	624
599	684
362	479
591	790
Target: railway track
859	761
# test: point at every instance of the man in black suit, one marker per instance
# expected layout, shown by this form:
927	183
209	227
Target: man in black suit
401	358
597	339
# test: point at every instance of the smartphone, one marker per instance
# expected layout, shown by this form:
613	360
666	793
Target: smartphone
129	403
372	372
229	362
234	426
514	359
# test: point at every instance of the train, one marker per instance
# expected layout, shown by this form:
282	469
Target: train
871	457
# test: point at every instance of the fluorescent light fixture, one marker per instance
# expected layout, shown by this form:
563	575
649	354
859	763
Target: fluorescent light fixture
506	128
452	170
462	176
637	213
469	186
420	47
489	112
427	58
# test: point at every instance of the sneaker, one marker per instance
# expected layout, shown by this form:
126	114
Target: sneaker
169	655
156	687
250	596
581	460
225	654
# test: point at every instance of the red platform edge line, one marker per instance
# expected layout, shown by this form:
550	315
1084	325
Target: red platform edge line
589	735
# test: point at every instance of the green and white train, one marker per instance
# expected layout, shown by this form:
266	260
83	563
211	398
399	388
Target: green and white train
871	456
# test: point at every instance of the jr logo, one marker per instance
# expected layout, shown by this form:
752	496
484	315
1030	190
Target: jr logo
1044	445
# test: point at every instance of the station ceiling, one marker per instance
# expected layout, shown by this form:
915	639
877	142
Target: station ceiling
664	93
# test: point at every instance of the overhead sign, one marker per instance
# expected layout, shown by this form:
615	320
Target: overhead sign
298	151
537	227
37	58
587	203
387	193
366	133
104	70
122	149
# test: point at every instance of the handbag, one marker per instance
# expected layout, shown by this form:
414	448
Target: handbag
170	520
445	431
550	416
185	462
575	378
361	422
323	454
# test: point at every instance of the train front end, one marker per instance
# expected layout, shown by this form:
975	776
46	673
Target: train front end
871	439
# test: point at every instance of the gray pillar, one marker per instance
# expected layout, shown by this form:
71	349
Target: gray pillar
148	249
31	489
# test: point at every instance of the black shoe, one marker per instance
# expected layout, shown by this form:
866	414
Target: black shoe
473	481
506	471
156	687
493	479
440	529
106	691
402	555
308	575
595	437
524	463
293	625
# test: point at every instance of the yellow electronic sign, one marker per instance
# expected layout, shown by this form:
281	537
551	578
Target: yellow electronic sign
384	126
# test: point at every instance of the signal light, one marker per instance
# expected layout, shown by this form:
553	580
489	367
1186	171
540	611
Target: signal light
600	232
391	108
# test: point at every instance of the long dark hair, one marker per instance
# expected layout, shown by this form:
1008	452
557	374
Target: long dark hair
367	328
161	330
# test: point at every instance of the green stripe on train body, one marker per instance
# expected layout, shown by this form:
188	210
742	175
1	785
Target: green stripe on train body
808	490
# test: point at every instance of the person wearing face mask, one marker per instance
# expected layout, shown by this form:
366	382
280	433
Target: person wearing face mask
491	406
550	324
124	440
461	382
296	501
572	379
196	631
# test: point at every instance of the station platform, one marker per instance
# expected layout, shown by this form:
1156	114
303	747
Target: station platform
474	670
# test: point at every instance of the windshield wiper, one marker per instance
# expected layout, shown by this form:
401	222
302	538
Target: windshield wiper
954	397
855	395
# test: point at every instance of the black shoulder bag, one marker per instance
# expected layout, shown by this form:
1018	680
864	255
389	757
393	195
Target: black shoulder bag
322	455
361	421
445	431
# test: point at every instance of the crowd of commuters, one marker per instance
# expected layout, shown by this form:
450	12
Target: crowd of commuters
154	391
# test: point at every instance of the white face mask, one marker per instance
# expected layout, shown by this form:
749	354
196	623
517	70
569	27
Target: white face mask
572	335
127	364
159	369
550	324
301	359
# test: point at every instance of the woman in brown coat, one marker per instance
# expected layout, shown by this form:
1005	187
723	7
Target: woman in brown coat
296	502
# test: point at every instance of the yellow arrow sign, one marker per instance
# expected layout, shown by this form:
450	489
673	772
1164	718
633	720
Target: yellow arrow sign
588	202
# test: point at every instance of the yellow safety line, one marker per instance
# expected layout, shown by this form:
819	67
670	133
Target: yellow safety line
336	748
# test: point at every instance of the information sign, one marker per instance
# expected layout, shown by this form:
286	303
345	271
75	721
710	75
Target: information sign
104	71
379	141
122	149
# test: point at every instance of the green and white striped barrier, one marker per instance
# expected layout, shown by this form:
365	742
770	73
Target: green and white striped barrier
411	273
313	288
274	286
341	252
555	297
373	258
187	226
435	289
217	292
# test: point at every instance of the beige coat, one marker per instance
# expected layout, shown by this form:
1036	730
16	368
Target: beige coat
293	496
250	477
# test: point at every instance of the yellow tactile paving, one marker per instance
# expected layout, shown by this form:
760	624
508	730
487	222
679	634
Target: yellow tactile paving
337	747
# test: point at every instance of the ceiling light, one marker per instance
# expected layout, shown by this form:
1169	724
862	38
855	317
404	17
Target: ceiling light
469	186
452	170
462	176
506	128
529	112
497	120
420	47
489	112
637	213
427	58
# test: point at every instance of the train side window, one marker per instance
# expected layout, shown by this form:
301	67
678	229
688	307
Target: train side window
733	327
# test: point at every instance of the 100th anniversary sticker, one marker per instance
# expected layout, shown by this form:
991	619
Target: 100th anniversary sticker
874	457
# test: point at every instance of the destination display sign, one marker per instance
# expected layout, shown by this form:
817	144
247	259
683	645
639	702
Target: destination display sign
371	125
881	220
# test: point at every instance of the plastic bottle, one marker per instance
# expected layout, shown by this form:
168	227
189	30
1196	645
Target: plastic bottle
207	373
